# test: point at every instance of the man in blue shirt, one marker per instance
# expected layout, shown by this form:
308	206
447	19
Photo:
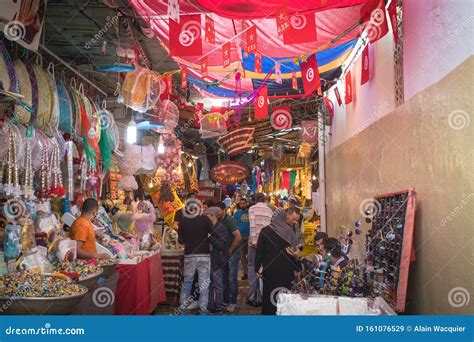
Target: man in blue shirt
242	219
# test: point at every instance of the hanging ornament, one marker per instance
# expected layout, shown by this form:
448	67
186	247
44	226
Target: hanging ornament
210	34
204	67
173	10
258	62
28	191
251	40
103	51
281	117
226	54
294	80
238	86
70	169
278	73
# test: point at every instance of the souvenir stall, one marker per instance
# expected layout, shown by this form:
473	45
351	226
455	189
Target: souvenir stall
213	117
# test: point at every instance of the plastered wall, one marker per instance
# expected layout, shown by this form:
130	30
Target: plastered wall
427	143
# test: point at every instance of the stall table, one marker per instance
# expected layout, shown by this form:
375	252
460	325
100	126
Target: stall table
140	287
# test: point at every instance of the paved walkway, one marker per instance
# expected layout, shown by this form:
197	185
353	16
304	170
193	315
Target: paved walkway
242	309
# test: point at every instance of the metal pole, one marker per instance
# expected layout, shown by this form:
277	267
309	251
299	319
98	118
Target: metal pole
321	166
67	65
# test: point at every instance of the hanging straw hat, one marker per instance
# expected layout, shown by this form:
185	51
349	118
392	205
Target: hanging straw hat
25	109
8	79
45	103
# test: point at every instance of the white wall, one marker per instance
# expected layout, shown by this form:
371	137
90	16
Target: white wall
437	38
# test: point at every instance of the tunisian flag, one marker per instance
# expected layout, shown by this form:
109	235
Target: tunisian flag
185	36
365	66
302	29
261	104
392	13
374	19
348	98
310	75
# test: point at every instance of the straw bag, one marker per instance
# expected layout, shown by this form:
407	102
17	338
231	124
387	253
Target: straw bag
8	79
54	122
25	109
140	89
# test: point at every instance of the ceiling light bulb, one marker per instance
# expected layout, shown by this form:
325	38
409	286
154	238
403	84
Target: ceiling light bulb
132	132
161	145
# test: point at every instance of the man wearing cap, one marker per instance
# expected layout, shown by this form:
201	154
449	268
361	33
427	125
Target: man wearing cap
218	256
242	219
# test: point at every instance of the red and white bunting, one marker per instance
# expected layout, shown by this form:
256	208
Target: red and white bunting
185	36
282	20
365	76
210	32
310	75
251	40
294	80
261	104
258	62
278	73
226	54
348	97
184	78
204	67
338	96
173	10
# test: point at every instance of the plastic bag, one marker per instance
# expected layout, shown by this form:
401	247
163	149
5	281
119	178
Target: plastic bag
255	297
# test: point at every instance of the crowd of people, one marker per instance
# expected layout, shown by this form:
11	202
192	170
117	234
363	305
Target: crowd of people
262	239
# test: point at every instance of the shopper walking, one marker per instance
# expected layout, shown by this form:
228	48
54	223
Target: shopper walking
194	233
232	263
218	258
242	219
277	254
260	216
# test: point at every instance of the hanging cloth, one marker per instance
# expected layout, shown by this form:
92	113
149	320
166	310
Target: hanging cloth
292	179
285	180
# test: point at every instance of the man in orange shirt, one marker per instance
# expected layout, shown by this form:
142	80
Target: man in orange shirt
82	231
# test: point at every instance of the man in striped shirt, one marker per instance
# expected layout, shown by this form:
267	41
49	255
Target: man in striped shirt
260	216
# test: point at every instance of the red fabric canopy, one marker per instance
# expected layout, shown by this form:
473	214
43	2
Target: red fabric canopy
255	9
329	24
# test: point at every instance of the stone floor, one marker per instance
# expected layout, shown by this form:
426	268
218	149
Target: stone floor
242	309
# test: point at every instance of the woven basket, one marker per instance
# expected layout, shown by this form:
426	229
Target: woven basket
140	89
54	122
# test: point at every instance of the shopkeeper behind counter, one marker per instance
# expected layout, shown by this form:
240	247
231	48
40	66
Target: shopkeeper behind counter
82	231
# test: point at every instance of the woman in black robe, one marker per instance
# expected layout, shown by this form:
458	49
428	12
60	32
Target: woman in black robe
276	253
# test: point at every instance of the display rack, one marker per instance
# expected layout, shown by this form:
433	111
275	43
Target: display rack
389	246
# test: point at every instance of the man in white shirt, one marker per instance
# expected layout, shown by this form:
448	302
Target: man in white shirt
260	216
